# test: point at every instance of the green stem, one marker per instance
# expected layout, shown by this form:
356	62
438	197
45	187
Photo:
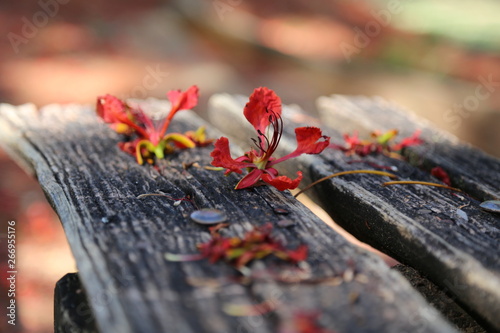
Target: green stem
159	150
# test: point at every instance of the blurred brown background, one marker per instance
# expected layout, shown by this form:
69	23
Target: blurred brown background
439	59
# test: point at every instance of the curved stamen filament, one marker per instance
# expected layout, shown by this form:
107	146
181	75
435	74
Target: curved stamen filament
265	145
257	144
260	142
277	123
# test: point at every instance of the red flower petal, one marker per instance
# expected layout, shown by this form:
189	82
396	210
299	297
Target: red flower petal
261	102
244	259
283	182
256	244
412	140
299	254
249	180
307	140
352	140
304	322
180	101
307	143
222	157
183	100
129	147
442	175
114	111
111	109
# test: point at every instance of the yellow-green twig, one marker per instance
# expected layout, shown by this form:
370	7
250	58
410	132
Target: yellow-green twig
373	172
416	182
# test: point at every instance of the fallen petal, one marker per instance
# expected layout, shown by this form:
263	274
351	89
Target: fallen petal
250	180
222	157
309	141
283	182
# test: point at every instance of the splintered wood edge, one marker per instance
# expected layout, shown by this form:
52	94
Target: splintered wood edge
66	212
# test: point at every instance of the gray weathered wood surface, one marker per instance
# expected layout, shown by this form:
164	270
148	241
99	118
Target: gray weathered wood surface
441	300
471	170
119	241
424	227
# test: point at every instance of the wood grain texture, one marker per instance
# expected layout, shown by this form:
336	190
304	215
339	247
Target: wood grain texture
443	235
469	168
440	300
119	241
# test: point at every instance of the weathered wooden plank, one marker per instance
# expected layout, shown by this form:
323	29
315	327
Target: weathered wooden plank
119	241
469	168
423	227
441	301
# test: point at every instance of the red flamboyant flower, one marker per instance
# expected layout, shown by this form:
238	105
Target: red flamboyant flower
440	174
151	139
379	143
303	322
263	111
256	244
413	140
